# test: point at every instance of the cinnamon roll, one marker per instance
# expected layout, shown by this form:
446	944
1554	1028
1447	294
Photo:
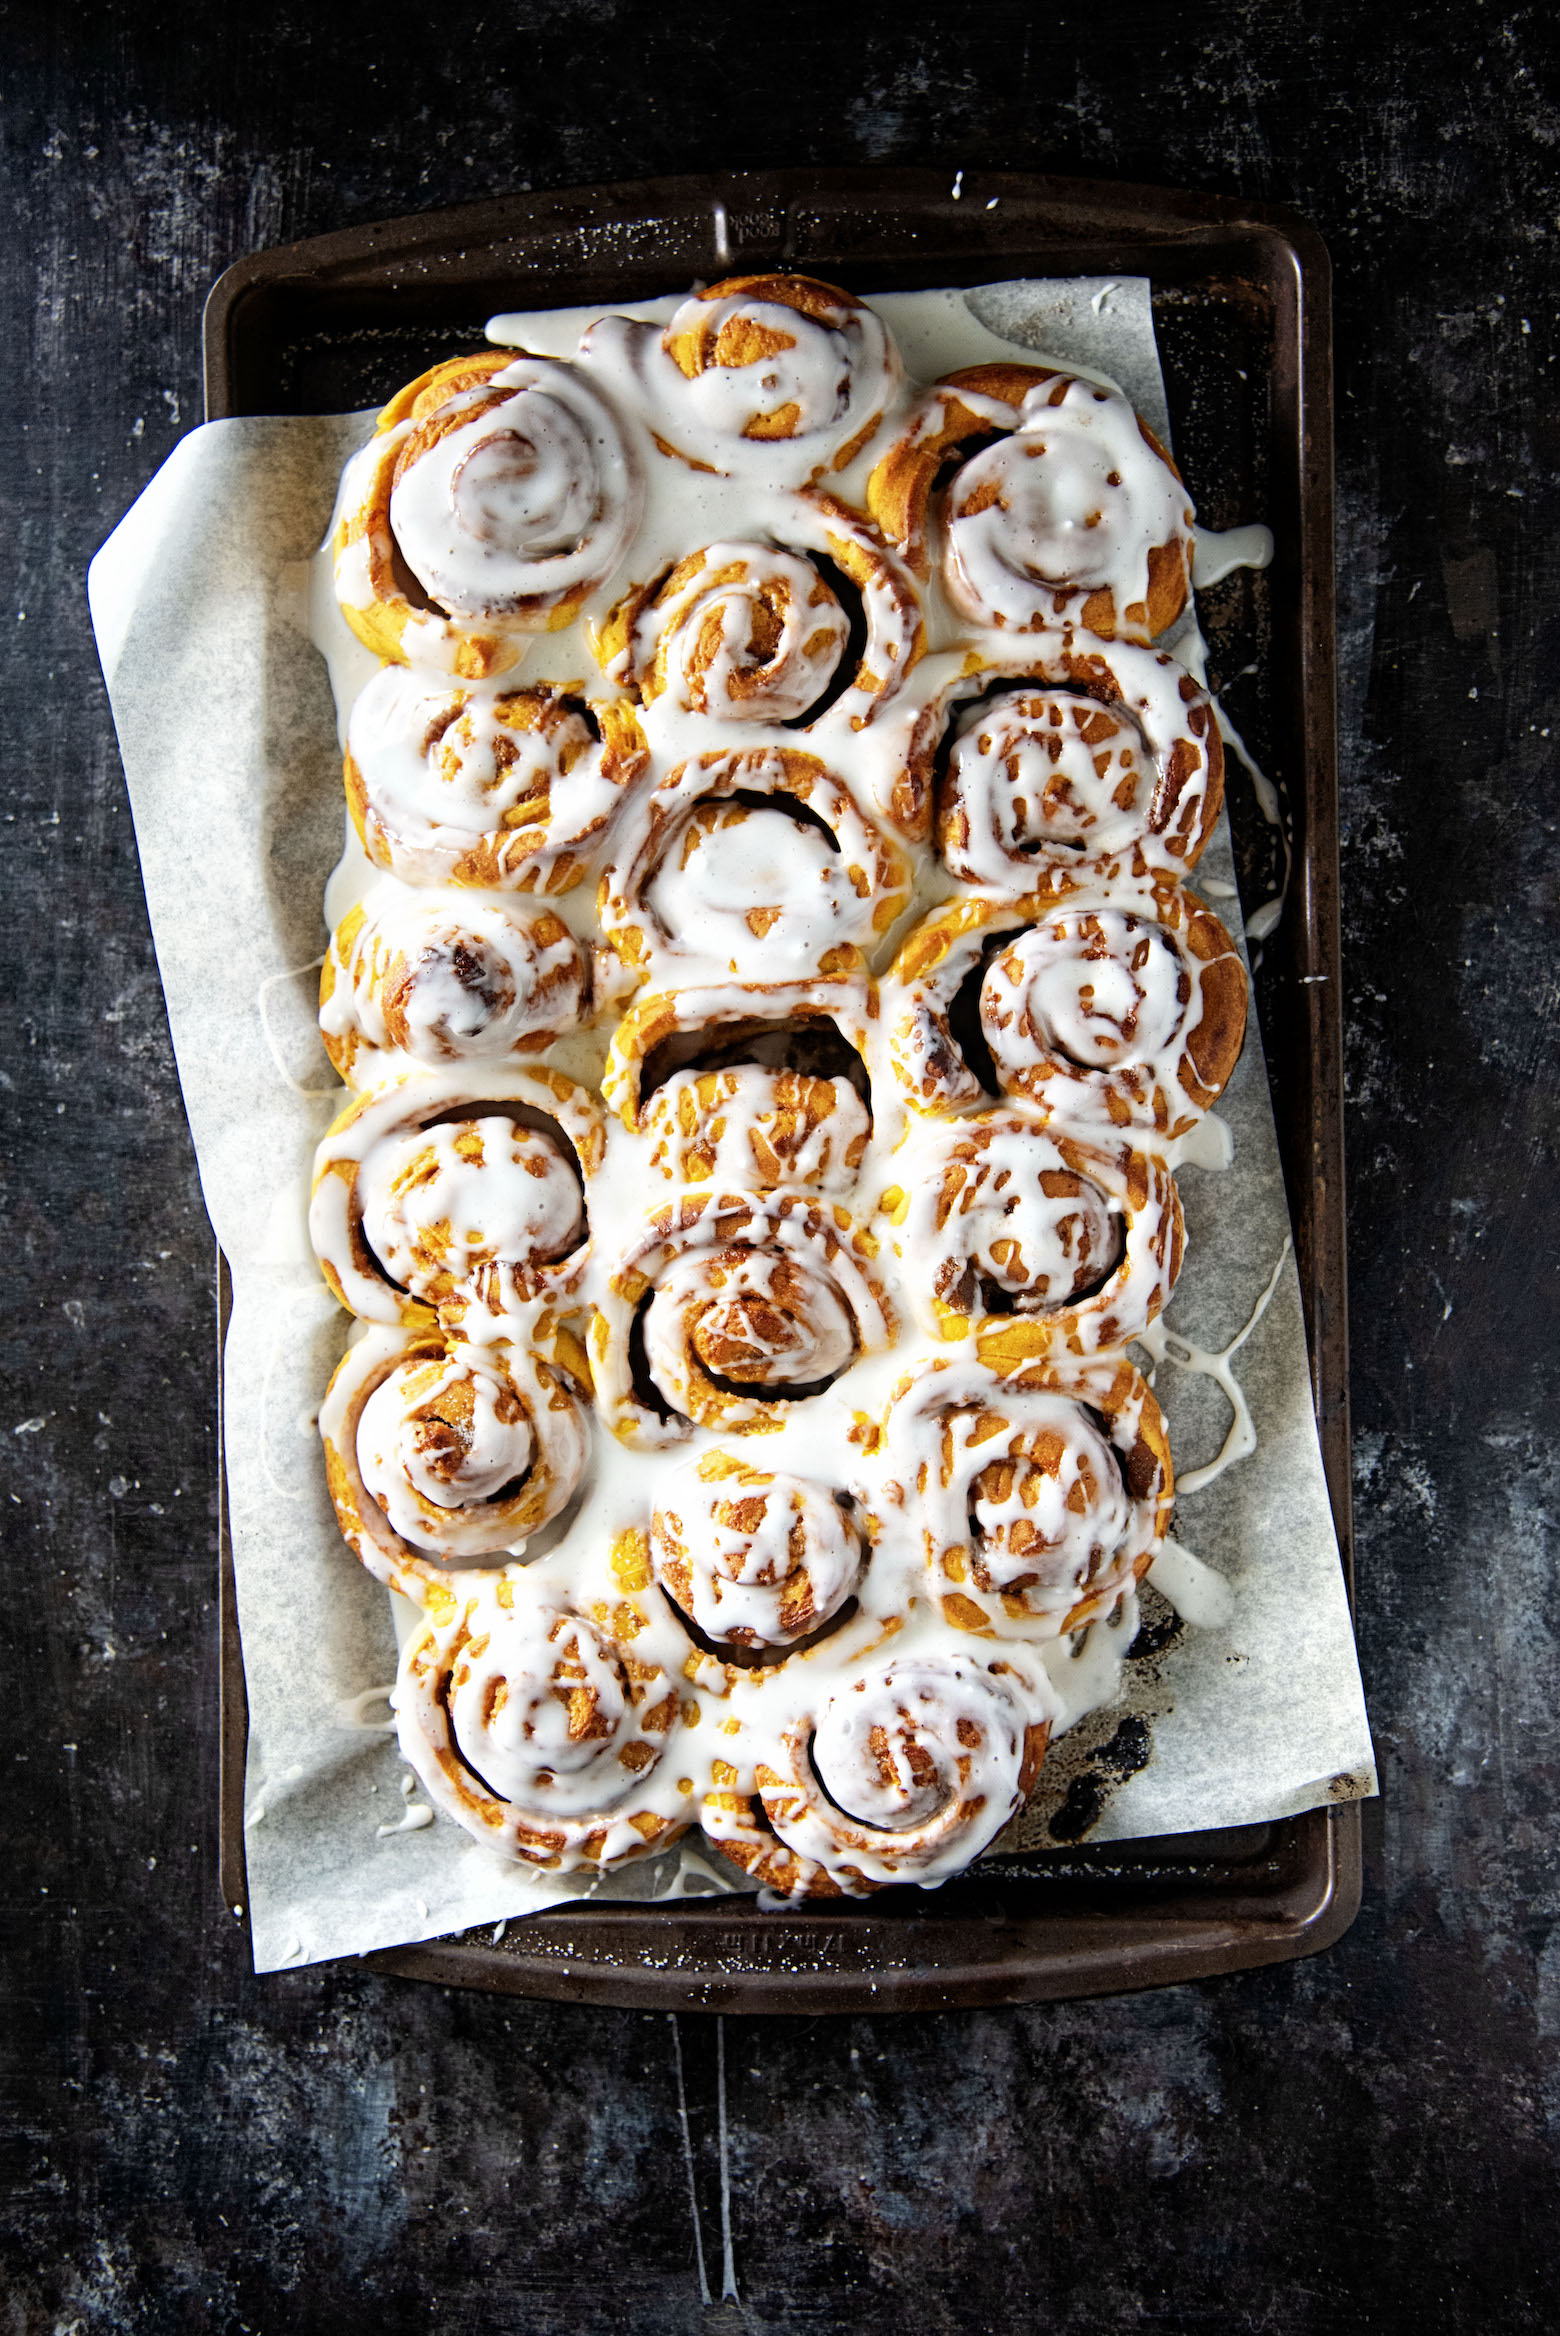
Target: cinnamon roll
496	495
1123	1009
749	631
1080	1243
1037	1493
756	860
904	1774
772	377
436	1198
1064	509
443	1457
729	1311
816	1029
1099	762
537	1730
511	789
436	978
753	1560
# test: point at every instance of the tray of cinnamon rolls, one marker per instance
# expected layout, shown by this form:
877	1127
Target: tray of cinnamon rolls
772	998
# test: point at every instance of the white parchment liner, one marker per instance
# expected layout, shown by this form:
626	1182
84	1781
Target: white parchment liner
228	734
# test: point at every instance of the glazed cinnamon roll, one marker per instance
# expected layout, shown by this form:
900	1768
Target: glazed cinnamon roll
1099	762
753	1560
496	495
1037	1493
435	1198
443	1457
1064	508
755	860
438	978
749	631
771	377
511	789
1123	1010
904	1774
729	1311
817	1029
538	1731
1080	1243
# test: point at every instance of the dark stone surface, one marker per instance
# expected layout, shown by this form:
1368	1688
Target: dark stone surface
1366	2141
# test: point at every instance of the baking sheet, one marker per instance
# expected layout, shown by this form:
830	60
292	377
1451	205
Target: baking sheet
228	733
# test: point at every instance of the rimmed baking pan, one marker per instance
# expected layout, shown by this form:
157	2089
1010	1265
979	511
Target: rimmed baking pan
1241	306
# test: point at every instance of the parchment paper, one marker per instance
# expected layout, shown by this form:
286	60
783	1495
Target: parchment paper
228	733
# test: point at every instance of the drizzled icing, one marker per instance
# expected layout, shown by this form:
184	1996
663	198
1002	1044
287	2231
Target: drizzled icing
739	632
755	862
530	1725
1107	1004
442	1455
762	1450
431	1198
1034	1503
441	1204
754	1128
1068	506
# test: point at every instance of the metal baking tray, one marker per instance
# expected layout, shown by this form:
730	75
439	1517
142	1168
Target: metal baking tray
1241	302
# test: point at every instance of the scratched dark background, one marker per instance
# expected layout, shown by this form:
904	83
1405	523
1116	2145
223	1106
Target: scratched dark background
1371	2140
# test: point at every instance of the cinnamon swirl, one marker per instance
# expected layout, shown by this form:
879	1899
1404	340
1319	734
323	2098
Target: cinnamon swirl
904	1774
1036	1493
537	1731
510	788
776	377
1080	1243
495	496
1069	512
437	978
755	861
444	1457
730	1310
437	1199
1120	1009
